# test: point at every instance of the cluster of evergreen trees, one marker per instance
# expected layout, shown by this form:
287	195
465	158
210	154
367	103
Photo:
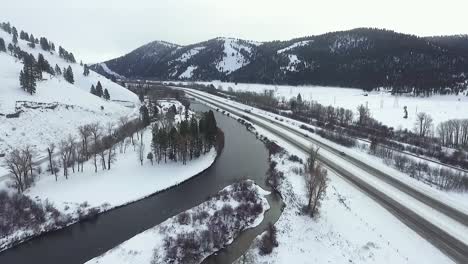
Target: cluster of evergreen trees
68	75
33	69
29	74
23	35
68	56
98	91
185	141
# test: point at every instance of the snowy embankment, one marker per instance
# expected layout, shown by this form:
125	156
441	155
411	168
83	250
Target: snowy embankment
87	193
351	227
197	233
76	106
383	106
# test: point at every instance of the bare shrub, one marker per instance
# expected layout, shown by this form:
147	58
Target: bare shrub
184	218
268	240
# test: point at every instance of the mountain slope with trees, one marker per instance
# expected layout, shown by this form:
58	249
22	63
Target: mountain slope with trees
363	58
46	92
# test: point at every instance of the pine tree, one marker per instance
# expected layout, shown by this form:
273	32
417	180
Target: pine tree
15	40
27	75
71	58
107	95
93	90
68	75
32	38
7	27
10	48
2	45
141	96
99	91
43	64
44	44
58	71
86	70
144	115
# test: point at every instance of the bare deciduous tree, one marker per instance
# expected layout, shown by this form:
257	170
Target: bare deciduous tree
50	151
95	130
19	163
423	124
316	182
85	133
141	152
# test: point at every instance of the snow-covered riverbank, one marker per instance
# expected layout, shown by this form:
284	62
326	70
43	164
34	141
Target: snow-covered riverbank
85	194
197	233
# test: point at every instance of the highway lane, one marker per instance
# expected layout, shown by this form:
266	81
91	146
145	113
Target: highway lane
447	243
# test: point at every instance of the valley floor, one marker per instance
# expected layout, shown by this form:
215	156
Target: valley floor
383	106
351	227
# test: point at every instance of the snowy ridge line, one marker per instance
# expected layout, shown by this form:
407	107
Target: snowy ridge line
440	238
451	210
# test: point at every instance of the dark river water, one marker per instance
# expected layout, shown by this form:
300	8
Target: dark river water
243	157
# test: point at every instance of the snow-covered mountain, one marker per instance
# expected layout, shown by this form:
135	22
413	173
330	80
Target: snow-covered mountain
363	57
58	107
217	57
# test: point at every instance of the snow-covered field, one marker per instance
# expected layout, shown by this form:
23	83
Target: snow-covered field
126	182
39	127
351	228
149	246
384	107
439	219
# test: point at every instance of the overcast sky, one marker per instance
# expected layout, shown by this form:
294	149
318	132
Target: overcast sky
97	30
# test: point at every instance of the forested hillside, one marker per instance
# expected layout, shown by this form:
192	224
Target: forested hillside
47	92
363	58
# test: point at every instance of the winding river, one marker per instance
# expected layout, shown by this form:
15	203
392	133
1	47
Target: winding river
243	157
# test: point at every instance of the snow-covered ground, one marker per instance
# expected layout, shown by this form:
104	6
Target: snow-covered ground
384	107
233	58
109	71
295	45
149	246
369	234
452	199
189	54
126	182
188	72
39	127
455	199
351	227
